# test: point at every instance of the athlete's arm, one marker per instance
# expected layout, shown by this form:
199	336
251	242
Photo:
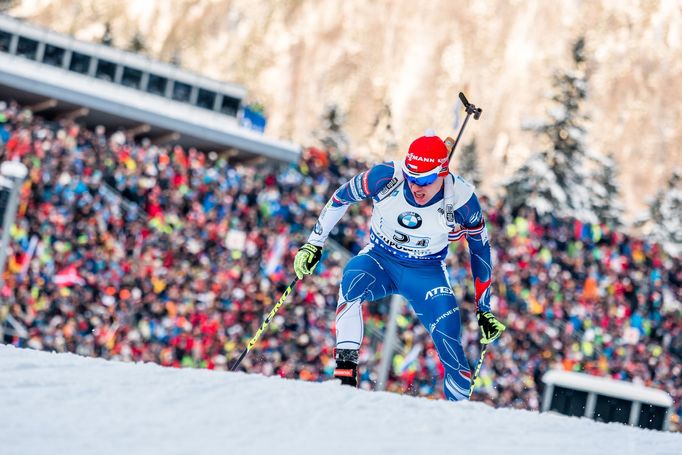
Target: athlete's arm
470	218
362	186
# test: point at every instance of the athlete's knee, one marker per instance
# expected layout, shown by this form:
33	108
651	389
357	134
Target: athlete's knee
356	284
346	307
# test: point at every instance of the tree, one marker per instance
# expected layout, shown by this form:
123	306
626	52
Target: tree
176	58
137	43
331	133
664	215
564	180
534	186
107	38
605	191
381	140
468	164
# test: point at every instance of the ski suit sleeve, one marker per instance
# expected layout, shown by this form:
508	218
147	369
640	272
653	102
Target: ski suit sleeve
362	186
470	218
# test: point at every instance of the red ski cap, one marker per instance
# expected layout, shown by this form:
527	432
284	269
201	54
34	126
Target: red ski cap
426	154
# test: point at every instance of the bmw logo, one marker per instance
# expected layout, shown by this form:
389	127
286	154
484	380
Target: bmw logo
410	220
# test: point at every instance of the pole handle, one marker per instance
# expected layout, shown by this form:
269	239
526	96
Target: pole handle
470	110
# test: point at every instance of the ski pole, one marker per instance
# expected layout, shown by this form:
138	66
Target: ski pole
267	320
478	369
470	109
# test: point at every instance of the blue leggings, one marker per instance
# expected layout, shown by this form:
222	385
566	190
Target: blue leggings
373	274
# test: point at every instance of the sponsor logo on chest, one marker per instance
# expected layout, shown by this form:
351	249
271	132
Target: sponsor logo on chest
410	220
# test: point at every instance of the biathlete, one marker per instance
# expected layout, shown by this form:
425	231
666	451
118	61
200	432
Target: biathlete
419	207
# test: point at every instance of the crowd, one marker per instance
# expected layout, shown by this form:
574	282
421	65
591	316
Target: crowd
574	297
128	250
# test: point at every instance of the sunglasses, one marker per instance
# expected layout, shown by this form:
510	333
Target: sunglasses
422	180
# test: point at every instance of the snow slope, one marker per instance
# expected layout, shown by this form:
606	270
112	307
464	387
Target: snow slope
66	404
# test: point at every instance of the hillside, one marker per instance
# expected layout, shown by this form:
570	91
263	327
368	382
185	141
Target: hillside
403	62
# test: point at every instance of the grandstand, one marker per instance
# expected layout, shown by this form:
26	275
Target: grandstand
59	76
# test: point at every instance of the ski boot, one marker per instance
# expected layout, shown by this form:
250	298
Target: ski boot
346	366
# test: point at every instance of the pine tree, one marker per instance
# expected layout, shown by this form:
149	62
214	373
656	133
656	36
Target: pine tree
534	185
665	213
331	133
107	38
137	43
564	179
381	140
176	58
605	191
468	164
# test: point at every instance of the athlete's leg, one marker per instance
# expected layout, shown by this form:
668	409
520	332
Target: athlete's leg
364	278
428	290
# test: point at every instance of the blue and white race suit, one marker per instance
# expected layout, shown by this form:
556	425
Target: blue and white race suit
406	256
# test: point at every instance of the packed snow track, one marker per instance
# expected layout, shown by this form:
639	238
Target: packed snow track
66	404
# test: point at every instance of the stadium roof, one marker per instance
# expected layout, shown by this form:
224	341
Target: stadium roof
190	110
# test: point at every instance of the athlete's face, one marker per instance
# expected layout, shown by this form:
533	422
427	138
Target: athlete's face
423	194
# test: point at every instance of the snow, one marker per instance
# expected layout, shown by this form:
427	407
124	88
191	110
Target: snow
63	403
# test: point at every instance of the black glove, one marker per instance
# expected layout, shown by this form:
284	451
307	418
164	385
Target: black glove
491	328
